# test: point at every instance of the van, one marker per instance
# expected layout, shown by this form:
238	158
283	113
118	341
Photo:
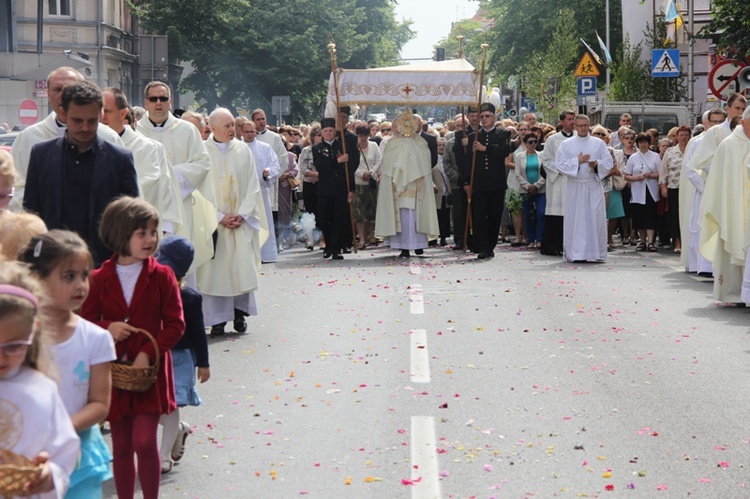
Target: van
646	115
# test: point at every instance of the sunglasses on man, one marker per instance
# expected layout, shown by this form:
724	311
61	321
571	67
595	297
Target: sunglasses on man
160	98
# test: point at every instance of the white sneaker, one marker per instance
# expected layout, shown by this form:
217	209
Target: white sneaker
178	449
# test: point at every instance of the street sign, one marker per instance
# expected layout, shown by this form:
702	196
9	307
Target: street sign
665	63
587	66
587	86
28	112
723	78
280	105
528	103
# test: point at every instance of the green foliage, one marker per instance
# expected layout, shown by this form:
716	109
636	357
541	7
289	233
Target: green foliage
730	27
630	74
244	52
523	27
547	75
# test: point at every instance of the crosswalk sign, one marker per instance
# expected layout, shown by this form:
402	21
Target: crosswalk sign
665	63
587	66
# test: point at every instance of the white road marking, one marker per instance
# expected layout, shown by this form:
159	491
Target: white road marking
416	299
420	357
424	470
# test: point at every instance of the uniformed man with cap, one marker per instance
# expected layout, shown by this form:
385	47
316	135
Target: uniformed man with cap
487	192
464	128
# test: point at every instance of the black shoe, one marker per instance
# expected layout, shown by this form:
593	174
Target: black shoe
240	325
217	330
443	242
458	247
346	251
327	254
404	254
485	255
337	256
419	252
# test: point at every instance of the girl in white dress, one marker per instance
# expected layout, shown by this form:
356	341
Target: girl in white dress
82	351
33	420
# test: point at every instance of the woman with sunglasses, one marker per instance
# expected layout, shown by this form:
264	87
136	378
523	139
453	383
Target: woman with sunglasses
627	138
530	176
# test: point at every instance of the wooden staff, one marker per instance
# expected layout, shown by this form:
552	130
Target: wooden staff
340	128
474	152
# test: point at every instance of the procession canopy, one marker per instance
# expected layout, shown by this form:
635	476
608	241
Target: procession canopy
434	83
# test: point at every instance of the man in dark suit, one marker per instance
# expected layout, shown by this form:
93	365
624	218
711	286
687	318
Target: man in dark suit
431	140
71	179
487	187
333	195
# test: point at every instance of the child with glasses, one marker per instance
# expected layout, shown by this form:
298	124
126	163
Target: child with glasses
33	420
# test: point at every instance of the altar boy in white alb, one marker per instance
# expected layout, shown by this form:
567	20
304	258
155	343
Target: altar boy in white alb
228	281
585	161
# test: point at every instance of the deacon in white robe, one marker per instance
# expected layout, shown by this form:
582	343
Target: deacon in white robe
189	161
585	161
49	128
406	211
267	165
228	281
155	181
274	140
555	187
726	200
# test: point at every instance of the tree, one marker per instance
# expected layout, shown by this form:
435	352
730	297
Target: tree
630	73
522	27
244	52
547	76
729	27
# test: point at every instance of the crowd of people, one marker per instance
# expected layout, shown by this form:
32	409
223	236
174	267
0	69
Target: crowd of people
127	233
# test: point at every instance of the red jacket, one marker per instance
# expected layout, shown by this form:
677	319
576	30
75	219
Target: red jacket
156	307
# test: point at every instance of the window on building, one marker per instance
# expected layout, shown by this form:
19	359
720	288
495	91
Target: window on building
59	7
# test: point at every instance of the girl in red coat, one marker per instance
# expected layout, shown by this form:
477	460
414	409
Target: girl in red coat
132	290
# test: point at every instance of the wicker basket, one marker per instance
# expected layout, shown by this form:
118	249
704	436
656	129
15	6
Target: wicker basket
15	472
135	379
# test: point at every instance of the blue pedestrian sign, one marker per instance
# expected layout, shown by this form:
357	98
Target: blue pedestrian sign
586	86
665	63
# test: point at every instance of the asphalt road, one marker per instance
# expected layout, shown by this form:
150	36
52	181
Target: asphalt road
443	376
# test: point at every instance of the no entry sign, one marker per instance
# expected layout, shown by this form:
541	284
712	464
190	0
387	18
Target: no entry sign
28	112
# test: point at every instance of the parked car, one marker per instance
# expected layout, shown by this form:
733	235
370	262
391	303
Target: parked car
6	140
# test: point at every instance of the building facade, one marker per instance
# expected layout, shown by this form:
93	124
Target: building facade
100	38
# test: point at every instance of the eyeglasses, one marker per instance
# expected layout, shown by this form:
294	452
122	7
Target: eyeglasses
160	98
485	116
294	134
715	122
628	137
532	142
598	134
17	348
385	129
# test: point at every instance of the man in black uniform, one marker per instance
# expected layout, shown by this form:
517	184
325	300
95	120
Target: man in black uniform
347	237
491	146
333	196
461	141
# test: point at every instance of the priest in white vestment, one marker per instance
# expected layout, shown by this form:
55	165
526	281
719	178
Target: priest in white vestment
406	212
228	281
155	180
585	161
267	165
273	139
726	200
690	200
187	156
49	128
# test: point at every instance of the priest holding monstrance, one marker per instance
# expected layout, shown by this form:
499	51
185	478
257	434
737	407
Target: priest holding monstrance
406	212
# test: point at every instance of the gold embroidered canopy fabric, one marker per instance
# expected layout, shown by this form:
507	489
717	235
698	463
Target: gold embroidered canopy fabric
436	83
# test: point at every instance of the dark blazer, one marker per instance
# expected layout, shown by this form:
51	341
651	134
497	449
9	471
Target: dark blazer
489	170
331	173
432	144
113	176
